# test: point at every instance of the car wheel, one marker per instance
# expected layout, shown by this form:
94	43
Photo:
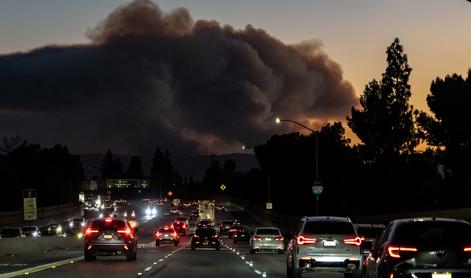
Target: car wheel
252	251
193	247
176	243
157	244
88	257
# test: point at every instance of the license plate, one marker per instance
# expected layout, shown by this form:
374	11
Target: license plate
205	243
108	236
268	239
441	275
330	243
242	235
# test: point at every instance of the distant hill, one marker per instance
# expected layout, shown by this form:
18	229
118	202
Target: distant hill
195	165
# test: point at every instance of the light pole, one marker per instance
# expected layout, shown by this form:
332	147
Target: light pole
317	187
269	204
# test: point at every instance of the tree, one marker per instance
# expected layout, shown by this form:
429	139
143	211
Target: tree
110	168
162	172
385	120
135	169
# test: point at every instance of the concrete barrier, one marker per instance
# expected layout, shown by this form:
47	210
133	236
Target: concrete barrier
46	215
25	245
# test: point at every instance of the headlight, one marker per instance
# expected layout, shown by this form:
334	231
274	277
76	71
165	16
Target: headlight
133	214
35	234
79	235
83	224
148	211
100	215
71	224
59	229
154	211
126	214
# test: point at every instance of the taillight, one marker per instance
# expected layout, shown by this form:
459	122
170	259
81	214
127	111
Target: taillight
257	238
184	226
126	231
158	234
305	240
174	234
90	231
467	249
108	220
395	251
353	241
279	238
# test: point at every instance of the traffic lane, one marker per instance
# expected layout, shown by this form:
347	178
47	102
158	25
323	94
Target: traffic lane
205	263
272	263
116	266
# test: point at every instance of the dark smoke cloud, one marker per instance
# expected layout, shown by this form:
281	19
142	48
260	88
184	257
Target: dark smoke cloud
150	78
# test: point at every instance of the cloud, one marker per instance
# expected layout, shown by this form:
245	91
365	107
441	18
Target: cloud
152	78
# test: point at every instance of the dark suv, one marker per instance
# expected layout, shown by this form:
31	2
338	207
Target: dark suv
110	236
424	248
205	237
179	226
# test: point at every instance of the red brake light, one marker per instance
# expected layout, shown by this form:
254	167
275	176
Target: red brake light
395	251
305	240
279	238
467	249
108	220
184	226
90	231
353	241
174	234
257	238
158	234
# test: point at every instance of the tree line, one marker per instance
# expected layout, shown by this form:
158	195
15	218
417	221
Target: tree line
386	172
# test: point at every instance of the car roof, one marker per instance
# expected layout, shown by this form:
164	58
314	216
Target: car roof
428	219
271	228
326	218
370	226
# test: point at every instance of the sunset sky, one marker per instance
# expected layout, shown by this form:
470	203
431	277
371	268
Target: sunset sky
354	33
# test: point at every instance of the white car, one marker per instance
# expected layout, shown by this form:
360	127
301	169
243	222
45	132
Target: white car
267	239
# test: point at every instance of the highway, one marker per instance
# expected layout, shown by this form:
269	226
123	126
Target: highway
233	260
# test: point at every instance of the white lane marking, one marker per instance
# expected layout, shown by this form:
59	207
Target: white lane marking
148	268
161	260
38	268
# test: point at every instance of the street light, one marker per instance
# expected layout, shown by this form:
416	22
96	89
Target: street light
316	139
269	203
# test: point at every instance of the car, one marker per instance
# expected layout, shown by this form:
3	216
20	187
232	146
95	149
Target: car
205	237
31	231
174	211
167	235
52	230
180	227
194	215
11	232
242	236
110	236
204	223
183	219
266	238
425	247
233	229
324	243
225	225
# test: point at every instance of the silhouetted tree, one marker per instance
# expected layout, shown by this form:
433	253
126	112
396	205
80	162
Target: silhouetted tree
162	172
110	168
213	177
135	169
385	120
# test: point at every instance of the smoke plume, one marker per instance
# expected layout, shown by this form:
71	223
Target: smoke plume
151	78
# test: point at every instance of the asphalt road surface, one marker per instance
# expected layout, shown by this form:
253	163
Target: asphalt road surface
233	260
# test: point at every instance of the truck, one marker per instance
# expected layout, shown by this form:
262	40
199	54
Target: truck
206	210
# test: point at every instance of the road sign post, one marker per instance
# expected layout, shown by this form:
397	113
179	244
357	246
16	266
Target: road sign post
29	205
317	189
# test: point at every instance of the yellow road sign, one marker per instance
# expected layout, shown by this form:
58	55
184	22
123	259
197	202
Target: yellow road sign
223	187
170	193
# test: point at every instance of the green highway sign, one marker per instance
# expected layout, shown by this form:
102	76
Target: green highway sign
127	183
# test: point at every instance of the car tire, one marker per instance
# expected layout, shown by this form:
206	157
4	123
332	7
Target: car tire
252	251
157	244
193	247
176	243
88	257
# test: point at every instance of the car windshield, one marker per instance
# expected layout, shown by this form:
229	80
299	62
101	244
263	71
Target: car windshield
329	228
268	232
10	232
28	229
433	233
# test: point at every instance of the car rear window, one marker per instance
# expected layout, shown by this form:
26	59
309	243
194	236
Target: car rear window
169	230
433	233
115	224
205	232
28	229
329	228
268	232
